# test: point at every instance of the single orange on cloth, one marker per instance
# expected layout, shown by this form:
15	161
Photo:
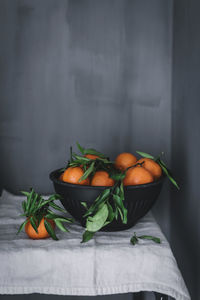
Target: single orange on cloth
101	178
91	156
73	174
42	232
138	175
151	166
40	219
125	160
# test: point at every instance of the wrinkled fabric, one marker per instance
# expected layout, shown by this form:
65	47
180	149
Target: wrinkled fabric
107	264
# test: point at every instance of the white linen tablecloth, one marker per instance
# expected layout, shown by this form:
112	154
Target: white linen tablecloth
107	264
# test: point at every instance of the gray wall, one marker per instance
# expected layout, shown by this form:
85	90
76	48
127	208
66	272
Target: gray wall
185	206
97	72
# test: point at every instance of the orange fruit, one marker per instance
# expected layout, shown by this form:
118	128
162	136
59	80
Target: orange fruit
137	175
101	178
91	156
151	166
61	177
73	174
125	160
42	232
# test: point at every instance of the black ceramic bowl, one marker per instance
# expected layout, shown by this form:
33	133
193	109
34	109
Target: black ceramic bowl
139	199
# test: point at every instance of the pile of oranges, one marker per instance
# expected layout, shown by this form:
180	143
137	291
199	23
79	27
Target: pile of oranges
142	171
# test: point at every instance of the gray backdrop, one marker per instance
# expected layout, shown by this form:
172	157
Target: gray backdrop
185	207
97	72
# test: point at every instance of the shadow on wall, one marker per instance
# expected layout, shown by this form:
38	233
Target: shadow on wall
184	204
185	234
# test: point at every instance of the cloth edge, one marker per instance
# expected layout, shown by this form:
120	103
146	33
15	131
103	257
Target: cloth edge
96	291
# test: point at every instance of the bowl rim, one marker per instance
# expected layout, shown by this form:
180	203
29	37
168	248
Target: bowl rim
54	178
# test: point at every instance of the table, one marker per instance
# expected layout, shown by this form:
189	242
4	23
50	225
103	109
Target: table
108	264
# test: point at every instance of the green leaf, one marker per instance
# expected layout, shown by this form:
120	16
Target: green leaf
55	197
33	203
162	162
149	237
93	207
23	215
41	200
94	152
88	172
25	193
40	216
49	201
96	222
104	161
76	163
125	213
122	190
24	206
54	217
111	213
29	199
50	230
87	236
98	201
105	194
118	201
84	168
174	182
51	215
22	226
33	223
63	219
116	213
117	190
71	156
122	210
61	226
143	154
118	176
84	205
81	159
81	149
42	203
167	173
134	240
121	214
55	206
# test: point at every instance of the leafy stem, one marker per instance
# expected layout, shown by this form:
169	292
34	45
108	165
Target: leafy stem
109	205
36	208
163	166
90	151
135	239
90	166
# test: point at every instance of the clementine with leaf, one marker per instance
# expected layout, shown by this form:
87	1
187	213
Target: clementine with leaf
42	232
101	178
137	175
150	165
125	160
40	219
73	175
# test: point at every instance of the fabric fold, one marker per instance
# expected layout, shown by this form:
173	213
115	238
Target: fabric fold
107	264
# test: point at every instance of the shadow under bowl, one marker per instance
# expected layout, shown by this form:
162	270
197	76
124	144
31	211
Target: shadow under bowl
139	199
